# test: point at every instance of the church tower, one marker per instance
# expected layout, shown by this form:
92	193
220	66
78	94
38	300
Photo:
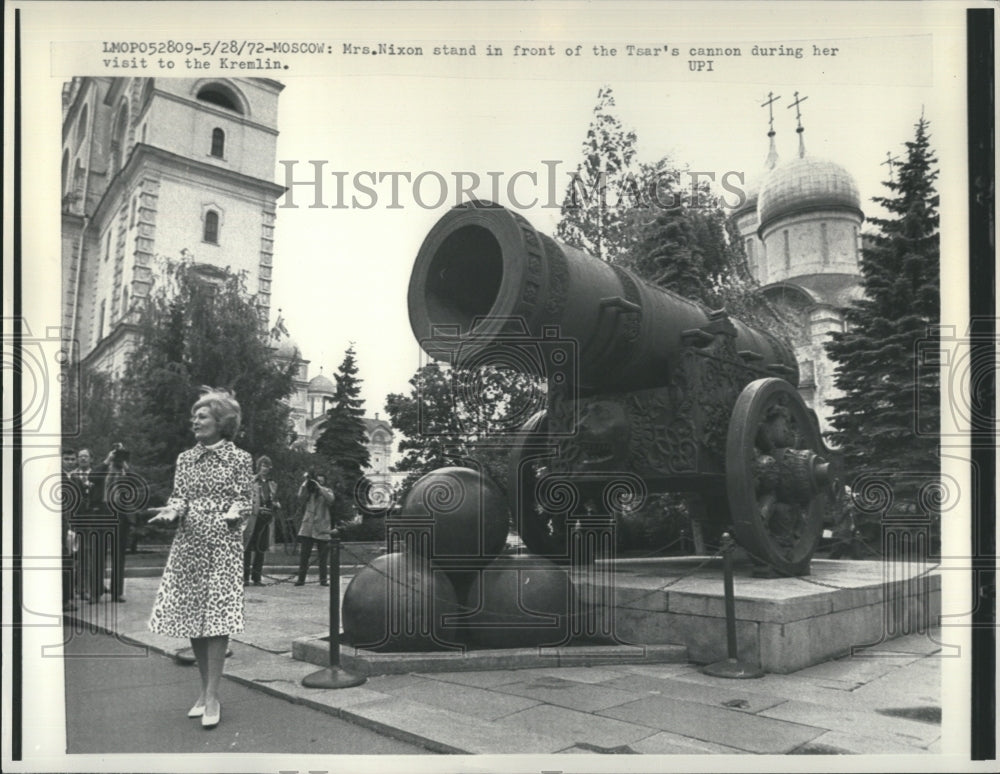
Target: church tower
802	239
154	169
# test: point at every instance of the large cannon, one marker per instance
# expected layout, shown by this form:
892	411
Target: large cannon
647	391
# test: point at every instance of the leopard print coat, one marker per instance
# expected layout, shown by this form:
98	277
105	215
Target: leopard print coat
201	593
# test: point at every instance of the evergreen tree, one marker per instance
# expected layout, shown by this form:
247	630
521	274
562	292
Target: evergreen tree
343	440
885	389
669	256
597	200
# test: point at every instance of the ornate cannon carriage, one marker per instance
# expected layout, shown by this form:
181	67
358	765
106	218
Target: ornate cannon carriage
647	391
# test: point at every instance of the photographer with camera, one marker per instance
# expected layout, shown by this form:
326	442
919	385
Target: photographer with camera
317	525
257	537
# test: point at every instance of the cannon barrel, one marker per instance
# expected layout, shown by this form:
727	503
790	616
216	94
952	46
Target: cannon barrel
484	279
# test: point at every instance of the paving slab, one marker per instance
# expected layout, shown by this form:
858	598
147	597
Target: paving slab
666	743
856	722
591	675
856	671
788	686
464	699
924	643
658	670
487	679
727	693
573	727
838	742
752	733
282	676
448	731
584	697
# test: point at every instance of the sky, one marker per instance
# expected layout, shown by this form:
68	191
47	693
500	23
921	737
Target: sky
341	275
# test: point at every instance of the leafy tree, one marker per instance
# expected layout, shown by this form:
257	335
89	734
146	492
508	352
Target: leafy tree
885	390
199	327
89	410
590	221
456	416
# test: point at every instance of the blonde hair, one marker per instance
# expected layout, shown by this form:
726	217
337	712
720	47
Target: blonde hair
224	409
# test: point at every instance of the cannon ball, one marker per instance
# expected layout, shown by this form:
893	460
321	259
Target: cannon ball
397	604
468	510
519	602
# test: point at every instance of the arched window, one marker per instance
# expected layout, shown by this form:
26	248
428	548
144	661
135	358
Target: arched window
218	143
211	233
125	302
220	96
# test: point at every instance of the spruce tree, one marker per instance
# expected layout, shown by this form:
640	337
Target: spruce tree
669	256
343	440
595	207
888	418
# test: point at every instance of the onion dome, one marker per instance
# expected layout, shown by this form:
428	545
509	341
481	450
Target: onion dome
805	184
321	385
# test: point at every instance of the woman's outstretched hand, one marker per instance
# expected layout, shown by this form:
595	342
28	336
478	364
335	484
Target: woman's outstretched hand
166	515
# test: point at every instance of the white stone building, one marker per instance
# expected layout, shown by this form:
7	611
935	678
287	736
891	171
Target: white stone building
800	226
158	169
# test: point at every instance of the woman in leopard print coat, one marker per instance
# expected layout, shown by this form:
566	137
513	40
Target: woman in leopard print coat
201	593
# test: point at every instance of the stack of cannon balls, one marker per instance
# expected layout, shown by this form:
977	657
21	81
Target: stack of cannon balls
448	586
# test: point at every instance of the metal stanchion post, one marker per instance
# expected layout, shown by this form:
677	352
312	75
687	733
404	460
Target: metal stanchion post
334	676
731	667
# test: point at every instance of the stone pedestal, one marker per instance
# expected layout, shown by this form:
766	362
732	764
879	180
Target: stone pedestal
782	625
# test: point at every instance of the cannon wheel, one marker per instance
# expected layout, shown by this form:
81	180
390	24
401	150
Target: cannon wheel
534	528
775	478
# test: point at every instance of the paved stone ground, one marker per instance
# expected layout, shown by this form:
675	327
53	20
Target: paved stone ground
886	701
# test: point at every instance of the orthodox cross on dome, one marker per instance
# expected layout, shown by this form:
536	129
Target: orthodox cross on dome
890	160
769	104
772	154
798	118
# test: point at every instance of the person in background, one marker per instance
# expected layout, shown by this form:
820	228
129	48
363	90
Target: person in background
265	502
69	503
317	525
92	523
200	596
120	489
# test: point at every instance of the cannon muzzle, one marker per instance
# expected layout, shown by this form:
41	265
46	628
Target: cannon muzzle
485	280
